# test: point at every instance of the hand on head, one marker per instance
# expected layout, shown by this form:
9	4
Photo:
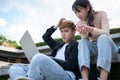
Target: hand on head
59	23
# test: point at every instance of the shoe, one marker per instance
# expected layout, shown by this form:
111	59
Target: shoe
118	49
22	78
98	78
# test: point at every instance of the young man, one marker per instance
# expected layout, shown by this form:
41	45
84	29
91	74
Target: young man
63	65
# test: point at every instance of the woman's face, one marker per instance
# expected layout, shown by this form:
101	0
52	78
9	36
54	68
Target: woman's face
82	13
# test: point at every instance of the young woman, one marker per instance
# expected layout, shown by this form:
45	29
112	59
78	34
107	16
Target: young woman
94	29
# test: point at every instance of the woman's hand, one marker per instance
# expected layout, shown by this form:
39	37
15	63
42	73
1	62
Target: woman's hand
83	28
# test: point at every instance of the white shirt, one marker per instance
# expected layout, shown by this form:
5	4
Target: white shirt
61	55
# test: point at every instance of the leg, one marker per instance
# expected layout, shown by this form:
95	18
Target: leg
103	74
84	73
17	70
105	47
43	67
84	57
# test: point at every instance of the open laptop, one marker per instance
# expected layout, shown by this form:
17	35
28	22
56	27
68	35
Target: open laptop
28	46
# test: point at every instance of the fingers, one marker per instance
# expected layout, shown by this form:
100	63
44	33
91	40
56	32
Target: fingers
60	22
82	29
62	19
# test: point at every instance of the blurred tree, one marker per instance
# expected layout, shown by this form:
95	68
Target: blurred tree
2	39
8	43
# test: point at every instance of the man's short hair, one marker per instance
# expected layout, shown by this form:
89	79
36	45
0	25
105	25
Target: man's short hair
67	23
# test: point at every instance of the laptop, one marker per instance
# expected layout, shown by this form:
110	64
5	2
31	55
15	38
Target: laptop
28	46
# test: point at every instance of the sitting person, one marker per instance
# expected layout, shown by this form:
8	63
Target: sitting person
63	65
94	29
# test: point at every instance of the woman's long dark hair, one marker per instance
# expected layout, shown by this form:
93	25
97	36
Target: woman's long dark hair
85	4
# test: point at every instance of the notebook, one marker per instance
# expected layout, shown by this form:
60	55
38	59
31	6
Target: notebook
28	46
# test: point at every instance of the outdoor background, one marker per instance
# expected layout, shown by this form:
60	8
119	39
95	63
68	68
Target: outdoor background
17	16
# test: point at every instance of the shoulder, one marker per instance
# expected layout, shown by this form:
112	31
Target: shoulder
100	13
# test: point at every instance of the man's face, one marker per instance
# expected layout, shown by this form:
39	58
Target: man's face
67	34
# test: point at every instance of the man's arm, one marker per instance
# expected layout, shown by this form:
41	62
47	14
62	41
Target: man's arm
47	36
48	39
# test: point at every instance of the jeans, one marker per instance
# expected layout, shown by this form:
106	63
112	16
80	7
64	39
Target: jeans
103	48
41	67
17	70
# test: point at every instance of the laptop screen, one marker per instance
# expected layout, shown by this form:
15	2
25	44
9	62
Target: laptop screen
28	45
